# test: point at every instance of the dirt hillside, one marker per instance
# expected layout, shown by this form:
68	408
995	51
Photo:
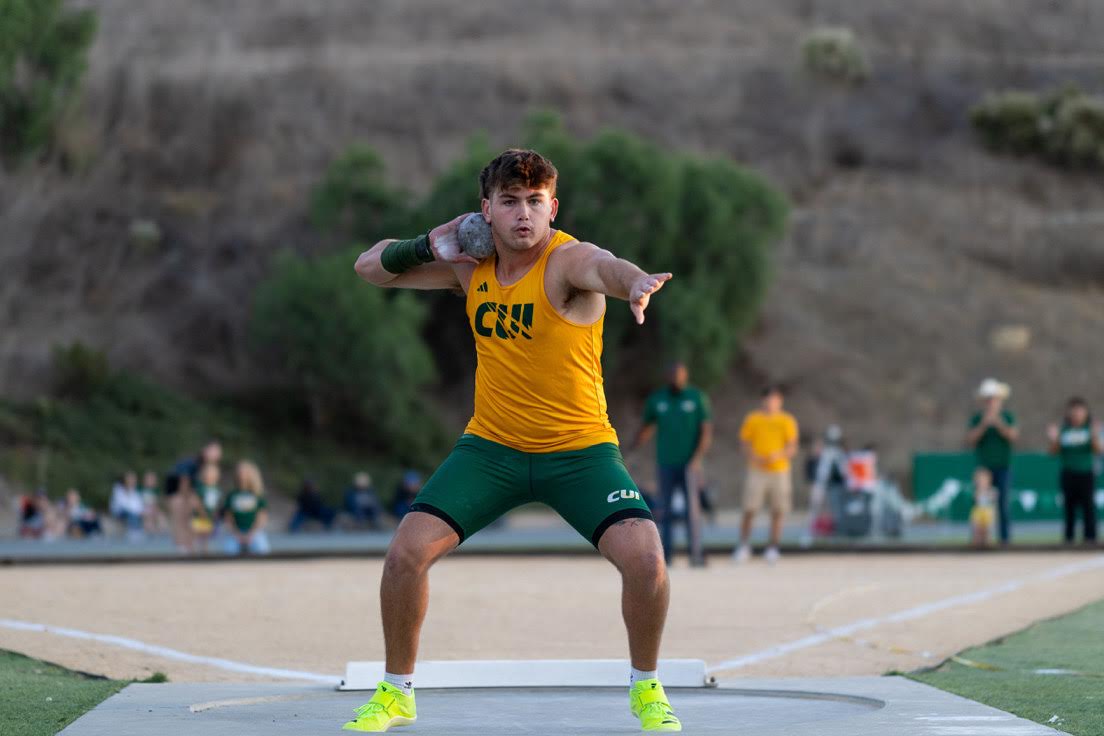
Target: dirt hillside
916	263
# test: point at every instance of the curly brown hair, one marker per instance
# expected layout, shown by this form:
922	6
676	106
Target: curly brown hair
517	167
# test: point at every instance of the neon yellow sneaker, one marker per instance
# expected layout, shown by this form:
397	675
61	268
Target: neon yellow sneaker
388	707
648	702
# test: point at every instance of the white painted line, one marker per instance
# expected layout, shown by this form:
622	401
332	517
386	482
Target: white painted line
966	718
124	642
839	632
260	700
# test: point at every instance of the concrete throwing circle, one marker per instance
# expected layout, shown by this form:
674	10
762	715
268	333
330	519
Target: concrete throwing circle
551	711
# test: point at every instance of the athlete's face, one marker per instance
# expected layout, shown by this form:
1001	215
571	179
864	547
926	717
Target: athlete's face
520	217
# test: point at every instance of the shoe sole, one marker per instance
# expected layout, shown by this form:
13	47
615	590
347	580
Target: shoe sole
396	721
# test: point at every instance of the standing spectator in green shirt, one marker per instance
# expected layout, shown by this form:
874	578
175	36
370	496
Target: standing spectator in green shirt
679	415
992	432
1077	443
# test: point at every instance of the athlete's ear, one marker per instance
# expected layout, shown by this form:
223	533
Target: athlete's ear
555	208
486	207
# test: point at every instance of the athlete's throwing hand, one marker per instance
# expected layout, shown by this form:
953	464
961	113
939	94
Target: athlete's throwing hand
445	244
642	290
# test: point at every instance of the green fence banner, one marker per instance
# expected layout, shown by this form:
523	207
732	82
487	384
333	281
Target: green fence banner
942	483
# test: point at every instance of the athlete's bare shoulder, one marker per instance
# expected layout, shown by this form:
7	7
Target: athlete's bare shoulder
564	286
574	257
571	254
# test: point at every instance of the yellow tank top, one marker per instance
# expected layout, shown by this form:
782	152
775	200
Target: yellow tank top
538	383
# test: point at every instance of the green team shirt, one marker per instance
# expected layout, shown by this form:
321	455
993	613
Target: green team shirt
209	496
1075	448
244	507
678	418
993	450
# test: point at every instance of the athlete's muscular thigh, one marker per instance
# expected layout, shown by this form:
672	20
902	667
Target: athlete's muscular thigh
420	540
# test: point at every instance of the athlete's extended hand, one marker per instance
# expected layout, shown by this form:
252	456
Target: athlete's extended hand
446	245
641	293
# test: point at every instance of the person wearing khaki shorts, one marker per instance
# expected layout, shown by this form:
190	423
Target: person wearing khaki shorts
769	436
773	490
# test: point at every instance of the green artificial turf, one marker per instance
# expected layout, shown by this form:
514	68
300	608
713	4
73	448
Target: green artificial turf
40	699
1069	702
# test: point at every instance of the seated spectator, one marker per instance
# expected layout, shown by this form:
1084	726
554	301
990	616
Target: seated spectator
245	513
153	517
127	505
361	501
407	490
311	507
182	502
32	517
83	521
828	483
57	522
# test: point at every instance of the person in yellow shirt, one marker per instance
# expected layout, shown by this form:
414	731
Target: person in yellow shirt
769	437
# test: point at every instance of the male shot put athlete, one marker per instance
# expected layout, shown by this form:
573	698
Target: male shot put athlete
540	430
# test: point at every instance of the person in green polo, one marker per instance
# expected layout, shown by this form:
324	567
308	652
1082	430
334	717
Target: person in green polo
992	432
1077	443
680	417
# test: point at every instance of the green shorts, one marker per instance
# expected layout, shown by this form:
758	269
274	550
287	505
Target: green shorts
481	480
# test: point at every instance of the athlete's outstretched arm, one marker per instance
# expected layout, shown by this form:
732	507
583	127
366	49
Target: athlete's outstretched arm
589	268
442	272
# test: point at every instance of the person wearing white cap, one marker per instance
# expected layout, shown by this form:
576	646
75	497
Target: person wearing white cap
992	432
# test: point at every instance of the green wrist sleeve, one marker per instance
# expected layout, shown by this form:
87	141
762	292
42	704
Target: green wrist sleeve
403	255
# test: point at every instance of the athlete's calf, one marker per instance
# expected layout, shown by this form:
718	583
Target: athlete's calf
420	540
633	546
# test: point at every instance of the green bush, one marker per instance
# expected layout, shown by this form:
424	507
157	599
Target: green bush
354	197
834	54
1010	121
354	353
79	371
124	422
1064	126
43	49
1076	134
131	423
120	421
710	222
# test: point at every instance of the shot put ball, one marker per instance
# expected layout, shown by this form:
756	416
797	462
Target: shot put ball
475	238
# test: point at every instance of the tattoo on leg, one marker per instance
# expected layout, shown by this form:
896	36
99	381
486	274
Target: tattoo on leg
629	522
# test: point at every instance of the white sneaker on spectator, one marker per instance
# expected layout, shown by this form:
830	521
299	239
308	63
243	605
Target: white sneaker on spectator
742	554
772	555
